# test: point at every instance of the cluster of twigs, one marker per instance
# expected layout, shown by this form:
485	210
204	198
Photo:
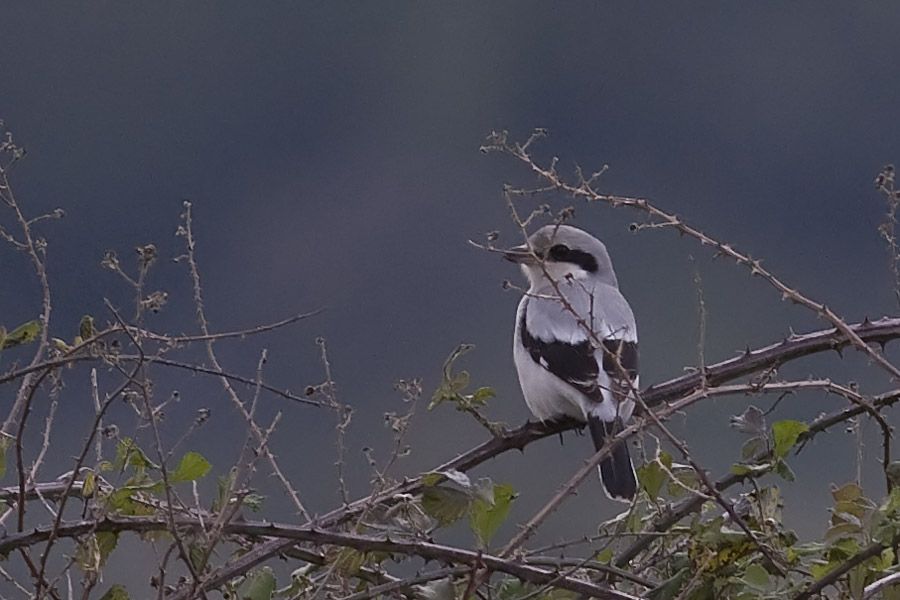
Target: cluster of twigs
61	530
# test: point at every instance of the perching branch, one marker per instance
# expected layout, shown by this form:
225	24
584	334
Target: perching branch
317	537
660	218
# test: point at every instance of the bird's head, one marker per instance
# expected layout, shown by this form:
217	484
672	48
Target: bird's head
562	253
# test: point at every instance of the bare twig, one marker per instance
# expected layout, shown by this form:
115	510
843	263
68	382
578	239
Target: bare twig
344	414
886	184
79	462
186	230
36	251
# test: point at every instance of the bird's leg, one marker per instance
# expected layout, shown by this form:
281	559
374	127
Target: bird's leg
566	422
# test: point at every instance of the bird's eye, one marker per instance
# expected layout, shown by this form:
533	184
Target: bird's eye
558	252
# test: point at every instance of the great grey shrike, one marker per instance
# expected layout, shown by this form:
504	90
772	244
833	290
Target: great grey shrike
575	343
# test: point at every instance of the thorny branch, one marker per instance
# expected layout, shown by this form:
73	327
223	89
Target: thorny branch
198	534
660	218
320	537
583	188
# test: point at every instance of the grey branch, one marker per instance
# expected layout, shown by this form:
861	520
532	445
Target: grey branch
751	361
317	537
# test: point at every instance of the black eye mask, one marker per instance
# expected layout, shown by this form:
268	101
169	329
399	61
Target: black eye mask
562	253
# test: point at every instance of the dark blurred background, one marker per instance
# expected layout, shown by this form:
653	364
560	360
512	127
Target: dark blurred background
331	152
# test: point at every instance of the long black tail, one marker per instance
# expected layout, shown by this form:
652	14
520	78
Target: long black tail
616	471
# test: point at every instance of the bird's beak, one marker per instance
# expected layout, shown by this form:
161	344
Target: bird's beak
520	255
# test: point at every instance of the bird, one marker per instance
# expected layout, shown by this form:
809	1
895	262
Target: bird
575	345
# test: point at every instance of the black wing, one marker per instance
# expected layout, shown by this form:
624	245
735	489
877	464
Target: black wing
576	364
620	362
573	363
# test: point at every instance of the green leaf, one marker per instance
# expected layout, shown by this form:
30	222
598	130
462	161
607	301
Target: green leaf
106	543
259	585
856	580
859	508
511	589
756	576
61	345
119	500
349	561
451	383
125	500
431	479
89	485
750	470
752	447
254	502
785	434
486	518
116	592
129	454
684	478
784	471
821	569
849	492
223	487
482	395
634	518
809	549
5	443
92	552
652	477
193	466
447	505
86	327
842	531
197	556
671	586
605	556
23	334
843	548
459	381
740	469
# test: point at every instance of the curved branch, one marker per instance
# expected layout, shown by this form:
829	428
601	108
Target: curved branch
498	141
691	505
791	348
78	354
752	361
316	536
240	333
870	551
